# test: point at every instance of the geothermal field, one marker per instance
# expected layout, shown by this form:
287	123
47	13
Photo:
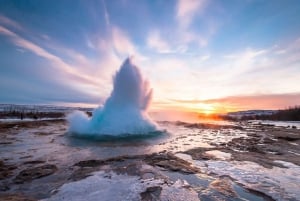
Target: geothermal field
121	152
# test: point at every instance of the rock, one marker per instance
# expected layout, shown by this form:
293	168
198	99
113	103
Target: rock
224	186
4	187
84	169
171	162
90	163
15	197
81	173
151	194
6	170
208	126
148	175
34	162
35	173
289	138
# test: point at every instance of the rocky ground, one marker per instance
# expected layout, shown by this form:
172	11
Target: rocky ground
263	145
34	176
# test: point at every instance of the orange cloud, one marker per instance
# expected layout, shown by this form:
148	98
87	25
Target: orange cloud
267	101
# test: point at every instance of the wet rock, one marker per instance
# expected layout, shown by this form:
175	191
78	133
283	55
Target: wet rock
205	156
43	133
96	163
151	194
4	186
90	163
34	162
224	186
148	175
289	138
268	140
199	153
15	197
6	170
81	173
170	162
208	126
35	173
23	157
242	149
129	168
121	165
261	194
6	142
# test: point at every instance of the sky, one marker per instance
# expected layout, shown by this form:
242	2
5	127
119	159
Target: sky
198	55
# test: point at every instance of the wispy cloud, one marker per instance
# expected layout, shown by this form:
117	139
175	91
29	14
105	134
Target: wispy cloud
234	103
123	45
192	79
7	32
106	15
187	9
155	42
10	23
263	101
56	61
244	61
186	12
121	42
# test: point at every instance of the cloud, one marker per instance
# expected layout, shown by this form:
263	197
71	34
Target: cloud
92	75
187	9
181	37
121	42
243	74
39	90
264	101
10	23
123	46
290	52
155	42
57	62
234	103
117	41
170	77
106	15
7	32
244	61
179	45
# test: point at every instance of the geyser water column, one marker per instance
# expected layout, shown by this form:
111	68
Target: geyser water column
124	112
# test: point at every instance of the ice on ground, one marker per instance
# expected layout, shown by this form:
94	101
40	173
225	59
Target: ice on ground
109	186
278	183
279	123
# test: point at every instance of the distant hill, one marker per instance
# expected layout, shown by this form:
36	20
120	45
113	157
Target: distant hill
290	114
15	111
251	113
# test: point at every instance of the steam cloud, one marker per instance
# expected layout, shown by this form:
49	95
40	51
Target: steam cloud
124	112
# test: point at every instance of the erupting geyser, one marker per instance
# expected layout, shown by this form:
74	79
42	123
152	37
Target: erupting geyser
124	112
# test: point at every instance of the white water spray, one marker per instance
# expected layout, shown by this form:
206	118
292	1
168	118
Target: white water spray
124	112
